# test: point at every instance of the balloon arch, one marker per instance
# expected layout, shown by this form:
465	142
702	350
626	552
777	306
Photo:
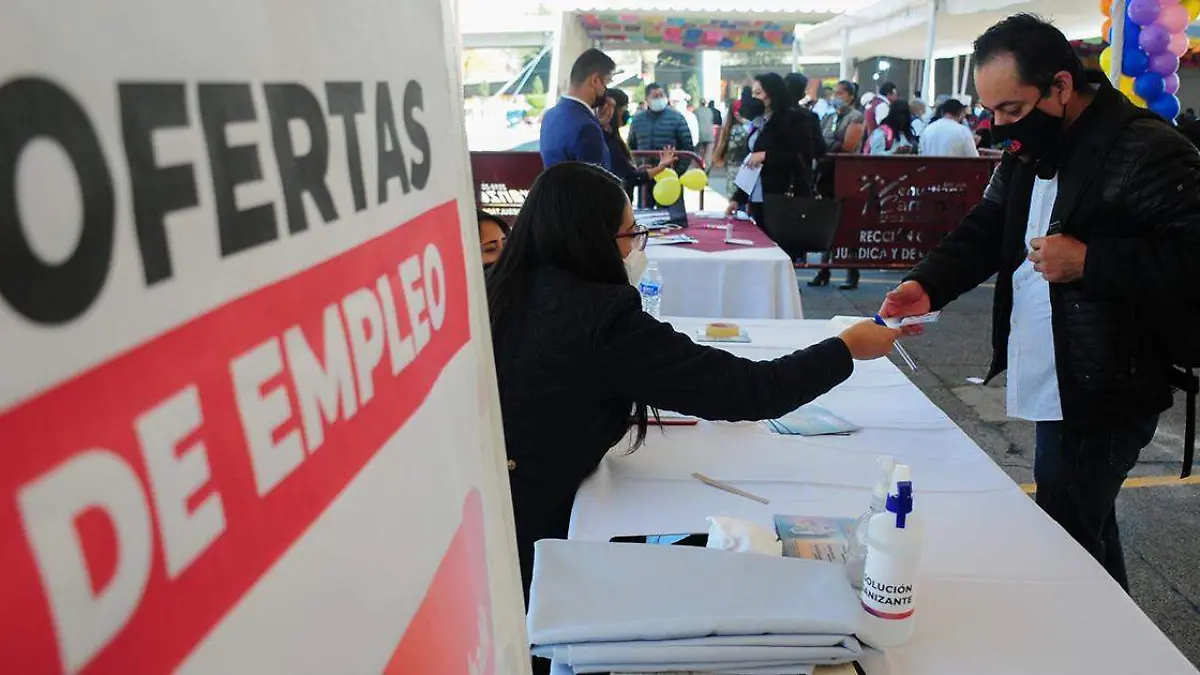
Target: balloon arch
1155	37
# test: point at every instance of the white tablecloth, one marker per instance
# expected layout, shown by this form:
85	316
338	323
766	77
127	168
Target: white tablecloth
1003	590
743	283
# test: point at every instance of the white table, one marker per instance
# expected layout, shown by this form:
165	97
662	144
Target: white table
1003	590
741	283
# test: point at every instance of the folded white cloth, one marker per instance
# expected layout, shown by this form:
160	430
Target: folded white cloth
743	536
599	607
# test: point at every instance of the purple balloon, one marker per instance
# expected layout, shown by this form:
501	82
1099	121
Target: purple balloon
1144	12
1164	63
1154	39
1172	83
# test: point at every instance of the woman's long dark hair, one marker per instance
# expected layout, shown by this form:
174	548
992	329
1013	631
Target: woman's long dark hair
776	90
568	222
620	100
900	119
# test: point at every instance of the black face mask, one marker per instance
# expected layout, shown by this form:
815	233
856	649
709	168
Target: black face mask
488	266
1030	137
625	117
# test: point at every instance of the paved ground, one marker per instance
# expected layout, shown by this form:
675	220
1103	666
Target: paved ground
1159	517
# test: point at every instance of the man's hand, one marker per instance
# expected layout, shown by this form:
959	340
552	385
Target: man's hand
1059	258
907	299
756	159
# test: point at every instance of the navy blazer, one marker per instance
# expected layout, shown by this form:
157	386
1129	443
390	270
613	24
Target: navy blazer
571	132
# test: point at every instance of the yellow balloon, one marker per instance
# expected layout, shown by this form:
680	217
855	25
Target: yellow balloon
1106	58
665	174
1193	8
667	191
1126	87
694	179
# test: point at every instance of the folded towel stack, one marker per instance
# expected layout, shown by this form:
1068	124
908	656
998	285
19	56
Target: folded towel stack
634	608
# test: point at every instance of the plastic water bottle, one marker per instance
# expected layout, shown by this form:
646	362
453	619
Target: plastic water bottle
890	574
856	555
651	289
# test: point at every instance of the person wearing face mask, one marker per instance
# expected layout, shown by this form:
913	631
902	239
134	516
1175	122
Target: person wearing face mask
579	364
493	232
573	130
1091	226
630	174
737	137
660	127
842	131
947	136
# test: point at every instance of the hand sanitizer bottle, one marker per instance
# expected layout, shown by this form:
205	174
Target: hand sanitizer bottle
856	553
890	573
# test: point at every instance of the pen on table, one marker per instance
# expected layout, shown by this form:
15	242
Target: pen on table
729	488
899	347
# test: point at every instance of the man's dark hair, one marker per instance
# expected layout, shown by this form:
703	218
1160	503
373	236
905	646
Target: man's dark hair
797	85
1039	49
653	86
951	106
887	89
592	62
850	87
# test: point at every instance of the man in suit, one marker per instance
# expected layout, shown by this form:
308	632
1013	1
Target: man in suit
573	130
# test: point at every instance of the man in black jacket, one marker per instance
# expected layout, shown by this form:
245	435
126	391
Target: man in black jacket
661	127
1092	226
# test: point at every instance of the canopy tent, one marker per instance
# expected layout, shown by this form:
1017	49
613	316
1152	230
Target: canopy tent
901	29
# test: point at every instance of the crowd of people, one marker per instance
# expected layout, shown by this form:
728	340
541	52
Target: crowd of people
1090	226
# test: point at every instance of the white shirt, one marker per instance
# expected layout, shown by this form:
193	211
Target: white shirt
580	102
947	138
1032	380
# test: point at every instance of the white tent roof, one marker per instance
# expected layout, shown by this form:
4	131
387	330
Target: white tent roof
899	28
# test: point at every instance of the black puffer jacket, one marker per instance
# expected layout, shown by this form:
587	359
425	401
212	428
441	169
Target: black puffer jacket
651	130
1130	190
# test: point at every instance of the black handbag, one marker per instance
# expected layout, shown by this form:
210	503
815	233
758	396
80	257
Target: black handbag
801	224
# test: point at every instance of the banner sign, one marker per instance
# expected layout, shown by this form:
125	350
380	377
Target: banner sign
896	209
502	180
239	330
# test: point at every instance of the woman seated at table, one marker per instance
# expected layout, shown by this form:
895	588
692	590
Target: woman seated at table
623	164
579	363
493	232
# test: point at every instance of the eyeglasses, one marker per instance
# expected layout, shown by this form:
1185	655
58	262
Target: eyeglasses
638	236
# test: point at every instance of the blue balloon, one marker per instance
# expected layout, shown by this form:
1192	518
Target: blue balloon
1166	105
1135	62
1133	34
1149	86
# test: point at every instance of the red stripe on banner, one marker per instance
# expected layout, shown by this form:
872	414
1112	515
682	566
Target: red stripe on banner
451	633
102	579
885	615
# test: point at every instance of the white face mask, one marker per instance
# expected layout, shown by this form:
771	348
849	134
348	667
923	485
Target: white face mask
657	104
635	266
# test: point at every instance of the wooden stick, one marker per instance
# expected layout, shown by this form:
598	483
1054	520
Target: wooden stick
728	488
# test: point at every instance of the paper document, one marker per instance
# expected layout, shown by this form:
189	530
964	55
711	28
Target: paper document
747	178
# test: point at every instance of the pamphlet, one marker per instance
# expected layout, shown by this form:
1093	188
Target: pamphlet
815	537
671	239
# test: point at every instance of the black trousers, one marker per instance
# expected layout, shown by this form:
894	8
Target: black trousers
1079	471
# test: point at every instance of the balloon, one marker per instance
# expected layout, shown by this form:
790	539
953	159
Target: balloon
667	191
1126	87
1155	38
1167	106
665	174
1164	63
1149	86
1171	83
1179	43
1106	60
1193	9
1133	33
1174	18
1135	62
1106	30
1144	12
694	179
1106	7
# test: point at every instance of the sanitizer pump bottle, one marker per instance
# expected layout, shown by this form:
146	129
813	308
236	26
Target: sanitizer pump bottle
890	573
856	555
